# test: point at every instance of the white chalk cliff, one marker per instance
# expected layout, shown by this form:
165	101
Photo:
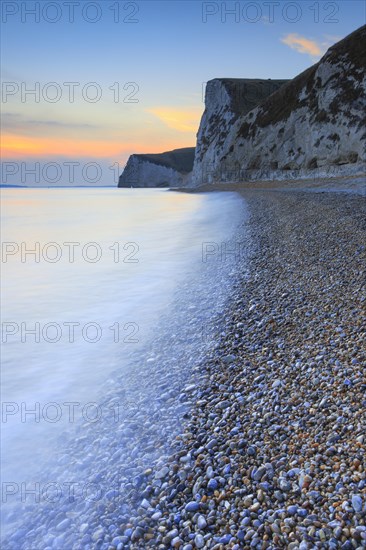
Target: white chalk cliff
313	125
158	170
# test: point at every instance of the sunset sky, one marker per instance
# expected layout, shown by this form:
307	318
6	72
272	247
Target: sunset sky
114	78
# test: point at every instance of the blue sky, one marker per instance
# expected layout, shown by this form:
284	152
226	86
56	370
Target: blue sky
161	52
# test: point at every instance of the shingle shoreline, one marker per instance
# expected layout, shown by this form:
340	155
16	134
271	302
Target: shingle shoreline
272	421
273	455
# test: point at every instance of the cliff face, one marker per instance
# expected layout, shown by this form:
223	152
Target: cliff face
226	101
311	125
158	170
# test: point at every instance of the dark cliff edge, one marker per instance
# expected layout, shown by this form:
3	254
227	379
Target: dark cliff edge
255	130
311	126
157	169
226	100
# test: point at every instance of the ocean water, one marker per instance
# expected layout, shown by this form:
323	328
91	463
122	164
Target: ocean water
92	279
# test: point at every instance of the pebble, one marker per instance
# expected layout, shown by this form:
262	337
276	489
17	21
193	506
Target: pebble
357	503
212	485
63	524
161	474
192	506
199	541
201	522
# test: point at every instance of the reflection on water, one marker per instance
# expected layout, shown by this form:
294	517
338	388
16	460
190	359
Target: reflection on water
87	273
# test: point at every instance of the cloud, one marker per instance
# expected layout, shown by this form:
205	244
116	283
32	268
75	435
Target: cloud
182	120
16	121
61	124
304	45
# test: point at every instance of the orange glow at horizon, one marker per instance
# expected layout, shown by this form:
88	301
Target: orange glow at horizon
15	146
19	146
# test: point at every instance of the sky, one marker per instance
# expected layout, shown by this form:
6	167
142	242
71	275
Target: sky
87	83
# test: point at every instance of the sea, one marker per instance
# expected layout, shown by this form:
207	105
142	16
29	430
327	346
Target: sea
98	284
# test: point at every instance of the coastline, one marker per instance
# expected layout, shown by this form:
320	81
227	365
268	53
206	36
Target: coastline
351	184
273	453
141	404
257	438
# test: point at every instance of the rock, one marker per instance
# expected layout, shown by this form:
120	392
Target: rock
192	506
65	524
211	444
285	485
223	405
172	534
258	474
255	507
128	533
98	534
225	539
199	541
161	474
357	503
201	522
158	170
137	534
272	129
212	485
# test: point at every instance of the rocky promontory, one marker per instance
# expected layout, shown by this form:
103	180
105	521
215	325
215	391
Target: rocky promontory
313	125
158	170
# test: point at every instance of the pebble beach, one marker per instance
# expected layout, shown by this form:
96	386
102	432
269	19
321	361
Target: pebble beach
273	453
259	440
